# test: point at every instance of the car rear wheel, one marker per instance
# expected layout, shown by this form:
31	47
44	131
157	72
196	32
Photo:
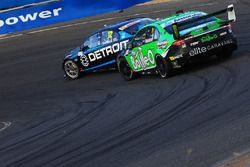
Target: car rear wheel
125	70
163	67
71	69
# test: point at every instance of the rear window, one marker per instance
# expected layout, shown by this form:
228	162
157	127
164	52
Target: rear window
133	29
169	29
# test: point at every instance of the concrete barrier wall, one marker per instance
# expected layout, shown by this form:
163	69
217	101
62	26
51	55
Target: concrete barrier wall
19	16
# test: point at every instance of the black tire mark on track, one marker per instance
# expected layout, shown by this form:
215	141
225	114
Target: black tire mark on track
75	120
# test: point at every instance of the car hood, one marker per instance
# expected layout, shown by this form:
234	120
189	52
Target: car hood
73	54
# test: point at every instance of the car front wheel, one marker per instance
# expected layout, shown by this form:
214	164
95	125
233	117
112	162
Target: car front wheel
125	70
71	69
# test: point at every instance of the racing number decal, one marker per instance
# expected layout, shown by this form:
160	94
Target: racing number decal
110	35
84	61
83	58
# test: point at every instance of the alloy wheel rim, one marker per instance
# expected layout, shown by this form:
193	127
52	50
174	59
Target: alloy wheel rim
161	69
71	69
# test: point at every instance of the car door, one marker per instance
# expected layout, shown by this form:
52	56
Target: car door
102	48
149	48
134	59
110	46
90	46
144	49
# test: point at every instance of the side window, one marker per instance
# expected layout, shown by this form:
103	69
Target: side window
152	34
93	41
109	37
139	38
115	37
86	43
157	34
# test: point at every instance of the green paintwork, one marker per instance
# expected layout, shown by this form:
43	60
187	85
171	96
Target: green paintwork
208	38
143	57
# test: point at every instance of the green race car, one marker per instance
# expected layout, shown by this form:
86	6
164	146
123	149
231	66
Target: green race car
172	42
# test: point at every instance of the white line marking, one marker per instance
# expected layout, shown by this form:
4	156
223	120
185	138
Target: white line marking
5	125
95	21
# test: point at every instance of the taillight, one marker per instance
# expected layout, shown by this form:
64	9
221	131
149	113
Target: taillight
179	43
228	27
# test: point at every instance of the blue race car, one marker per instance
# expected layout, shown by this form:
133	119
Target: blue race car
101	49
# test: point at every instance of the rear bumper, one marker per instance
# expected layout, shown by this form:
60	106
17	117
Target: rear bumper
212	43
226	44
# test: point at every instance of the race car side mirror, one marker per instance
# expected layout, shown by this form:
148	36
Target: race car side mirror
231	13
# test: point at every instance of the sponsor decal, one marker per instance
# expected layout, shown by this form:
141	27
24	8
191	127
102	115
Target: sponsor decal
172	58
102	53
129	25
194	43
110	35
223	34
142	62
162	44
84	60
30	17
201	50
182	19
187	17
209	38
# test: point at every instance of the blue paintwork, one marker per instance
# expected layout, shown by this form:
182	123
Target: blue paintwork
101	65
73	55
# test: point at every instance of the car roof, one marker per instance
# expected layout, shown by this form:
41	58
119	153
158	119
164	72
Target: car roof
172	19
118	25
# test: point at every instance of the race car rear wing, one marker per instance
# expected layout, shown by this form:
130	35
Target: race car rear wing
231	18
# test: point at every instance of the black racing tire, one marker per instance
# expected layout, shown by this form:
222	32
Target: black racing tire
163	67
224	55
71	70
125	70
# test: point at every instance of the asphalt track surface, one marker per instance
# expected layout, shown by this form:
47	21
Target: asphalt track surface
197	118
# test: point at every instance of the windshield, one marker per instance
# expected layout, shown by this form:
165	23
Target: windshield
134	28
